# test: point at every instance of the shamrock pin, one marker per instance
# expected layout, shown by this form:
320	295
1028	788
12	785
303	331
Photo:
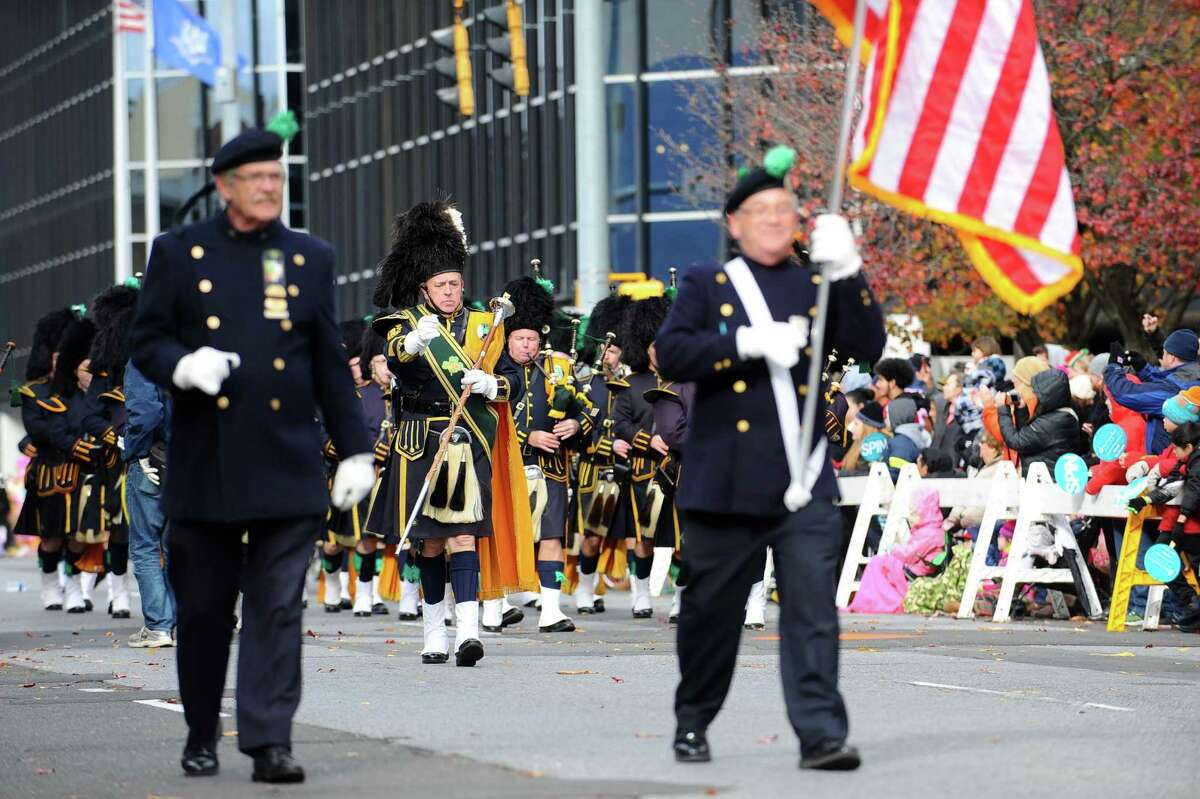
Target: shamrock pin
559	577
483	329
453	365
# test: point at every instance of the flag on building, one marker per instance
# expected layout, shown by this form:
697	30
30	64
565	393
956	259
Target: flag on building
130	17
957	126
184	40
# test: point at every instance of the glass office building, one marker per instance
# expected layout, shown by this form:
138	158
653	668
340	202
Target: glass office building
380	138
58	227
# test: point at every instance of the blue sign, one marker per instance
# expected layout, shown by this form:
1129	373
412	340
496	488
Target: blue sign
1134	489
874	447
184	40
1163	563
1071	474
1109	442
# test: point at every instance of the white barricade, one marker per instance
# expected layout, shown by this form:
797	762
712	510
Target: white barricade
877	496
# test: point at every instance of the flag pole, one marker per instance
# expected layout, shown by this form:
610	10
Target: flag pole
121	209
150	134
817	336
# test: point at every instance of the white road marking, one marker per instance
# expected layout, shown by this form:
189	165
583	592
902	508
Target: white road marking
172	706
97	690
1019	695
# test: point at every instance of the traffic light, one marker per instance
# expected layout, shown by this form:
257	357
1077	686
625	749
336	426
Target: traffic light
458	66
514	75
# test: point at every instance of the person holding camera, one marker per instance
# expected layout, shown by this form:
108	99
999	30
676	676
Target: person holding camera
1053	428
1177	370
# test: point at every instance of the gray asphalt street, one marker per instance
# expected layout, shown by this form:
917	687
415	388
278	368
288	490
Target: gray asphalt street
939	707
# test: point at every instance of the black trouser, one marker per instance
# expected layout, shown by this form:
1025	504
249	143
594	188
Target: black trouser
725	554
208	566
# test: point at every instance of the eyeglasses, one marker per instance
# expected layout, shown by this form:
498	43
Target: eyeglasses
256	178
761	211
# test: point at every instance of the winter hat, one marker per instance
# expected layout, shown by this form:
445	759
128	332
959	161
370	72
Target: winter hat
901	410
1182	344
1026	368
853	379
871	414
1184	407
1098	364
1082	389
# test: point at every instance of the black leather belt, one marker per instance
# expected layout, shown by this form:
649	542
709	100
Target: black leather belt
426	407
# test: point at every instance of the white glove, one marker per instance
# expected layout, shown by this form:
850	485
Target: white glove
148	470
778	342
1138	469
353	480
428	328
832	244
205	369
480	382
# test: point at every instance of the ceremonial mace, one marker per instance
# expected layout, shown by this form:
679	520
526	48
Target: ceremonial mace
817	341
502	308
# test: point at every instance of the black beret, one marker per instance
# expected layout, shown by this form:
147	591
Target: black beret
754	181
246	148
771	175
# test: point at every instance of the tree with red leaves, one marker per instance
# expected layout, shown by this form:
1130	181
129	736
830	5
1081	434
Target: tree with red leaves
1126	84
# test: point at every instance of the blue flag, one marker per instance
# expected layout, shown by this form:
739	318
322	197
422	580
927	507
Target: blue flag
184	40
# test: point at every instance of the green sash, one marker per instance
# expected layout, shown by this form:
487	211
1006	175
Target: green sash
449	360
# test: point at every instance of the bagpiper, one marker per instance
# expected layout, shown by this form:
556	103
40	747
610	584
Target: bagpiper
633	423
552	418
476	506
602	512
44	512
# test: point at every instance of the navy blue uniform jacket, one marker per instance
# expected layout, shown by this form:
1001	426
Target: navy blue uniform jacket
254	451
734	451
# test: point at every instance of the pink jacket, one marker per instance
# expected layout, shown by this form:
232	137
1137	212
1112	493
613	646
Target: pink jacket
926	538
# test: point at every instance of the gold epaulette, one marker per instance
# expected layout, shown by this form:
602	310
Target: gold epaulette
116	394
54	404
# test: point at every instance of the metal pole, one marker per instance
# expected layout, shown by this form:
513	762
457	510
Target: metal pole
122	256
231	123
817	338
150	134
591	154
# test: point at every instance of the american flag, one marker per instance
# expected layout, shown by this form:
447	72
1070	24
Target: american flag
130	16
958	126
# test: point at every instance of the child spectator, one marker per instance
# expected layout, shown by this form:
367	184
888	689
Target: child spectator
885	579
1180	526
988	371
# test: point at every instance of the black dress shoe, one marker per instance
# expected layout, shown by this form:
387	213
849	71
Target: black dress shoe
54	606
77	609
275	764
434	658
88	606
200	761
586	611
333	608
362	614
402	616
346	604
512	616
379	609
691	747
470	653
560	626
755	626
643	614
599	606
673	618
832	756
120	614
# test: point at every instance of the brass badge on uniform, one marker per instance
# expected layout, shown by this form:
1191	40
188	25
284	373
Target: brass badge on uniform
275	304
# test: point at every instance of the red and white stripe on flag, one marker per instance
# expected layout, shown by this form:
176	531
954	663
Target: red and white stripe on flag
130	16
957	126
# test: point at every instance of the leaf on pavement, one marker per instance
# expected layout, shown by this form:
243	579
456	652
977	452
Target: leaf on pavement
575	672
